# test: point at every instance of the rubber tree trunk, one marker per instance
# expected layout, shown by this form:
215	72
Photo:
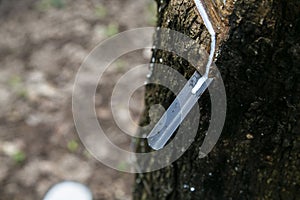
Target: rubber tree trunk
257	155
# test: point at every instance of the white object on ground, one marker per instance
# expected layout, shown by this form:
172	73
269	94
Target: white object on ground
69	190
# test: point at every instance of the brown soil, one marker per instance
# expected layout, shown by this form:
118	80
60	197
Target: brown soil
42	44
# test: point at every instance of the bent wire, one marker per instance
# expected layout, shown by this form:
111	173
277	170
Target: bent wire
202	11
188	96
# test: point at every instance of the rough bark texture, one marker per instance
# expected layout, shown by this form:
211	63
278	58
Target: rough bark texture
257	156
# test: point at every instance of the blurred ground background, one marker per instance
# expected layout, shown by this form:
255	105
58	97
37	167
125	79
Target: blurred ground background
42	44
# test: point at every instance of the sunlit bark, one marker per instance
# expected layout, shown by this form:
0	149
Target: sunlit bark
257	156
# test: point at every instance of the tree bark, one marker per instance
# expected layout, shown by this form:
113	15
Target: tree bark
257	155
